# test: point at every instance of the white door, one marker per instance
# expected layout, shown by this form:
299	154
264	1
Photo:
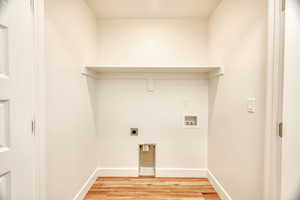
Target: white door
17	169
291	104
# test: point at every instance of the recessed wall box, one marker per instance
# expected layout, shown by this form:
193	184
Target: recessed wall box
134	131
191	121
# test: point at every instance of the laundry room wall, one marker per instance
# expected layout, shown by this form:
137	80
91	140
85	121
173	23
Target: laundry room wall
71	134
125	102
238	40
152	42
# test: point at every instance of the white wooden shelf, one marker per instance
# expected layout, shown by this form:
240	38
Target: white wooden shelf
94	70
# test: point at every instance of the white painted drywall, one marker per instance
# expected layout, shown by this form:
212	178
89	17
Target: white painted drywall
152	8
125	103
152	42
291	137
238	32
70	137
237	39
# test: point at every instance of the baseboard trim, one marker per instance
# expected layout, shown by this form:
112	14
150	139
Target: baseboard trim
181	172
160	172
118	172
218	186
86	187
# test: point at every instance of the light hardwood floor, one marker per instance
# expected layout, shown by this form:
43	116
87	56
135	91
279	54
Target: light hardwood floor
152	189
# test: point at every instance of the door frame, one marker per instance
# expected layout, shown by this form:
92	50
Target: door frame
274	75
272	102
39	98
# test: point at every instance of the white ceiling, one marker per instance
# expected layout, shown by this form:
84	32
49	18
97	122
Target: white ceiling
152	8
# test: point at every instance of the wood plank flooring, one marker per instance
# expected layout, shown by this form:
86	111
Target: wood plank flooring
152	189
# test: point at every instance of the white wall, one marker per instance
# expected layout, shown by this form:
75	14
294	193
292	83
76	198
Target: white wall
237	31
71	143
124	103
291	137
237	39
152	42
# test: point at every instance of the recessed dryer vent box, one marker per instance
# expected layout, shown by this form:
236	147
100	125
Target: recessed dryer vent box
191	121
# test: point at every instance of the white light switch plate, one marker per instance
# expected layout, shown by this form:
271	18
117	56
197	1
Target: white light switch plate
252	105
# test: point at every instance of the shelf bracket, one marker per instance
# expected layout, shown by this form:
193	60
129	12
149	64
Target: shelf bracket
217	73
86	72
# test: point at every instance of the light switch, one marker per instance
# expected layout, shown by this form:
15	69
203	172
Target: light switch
251	105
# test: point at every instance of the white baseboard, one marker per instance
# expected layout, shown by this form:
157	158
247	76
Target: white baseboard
218	186
181	172
86	187
160	172
118	172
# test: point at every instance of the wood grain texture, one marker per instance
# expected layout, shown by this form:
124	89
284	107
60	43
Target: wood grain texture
152	189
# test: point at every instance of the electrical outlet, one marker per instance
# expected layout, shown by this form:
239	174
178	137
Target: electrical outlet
134	131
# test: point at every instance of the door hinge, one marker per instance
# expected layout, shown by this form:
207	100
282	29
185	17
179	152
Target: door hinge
280	129
33	126
283	6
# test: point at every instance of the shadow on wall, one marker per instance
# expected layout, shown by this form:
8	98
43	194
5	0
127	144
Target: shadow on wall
91	86
213	88
296	195
298	10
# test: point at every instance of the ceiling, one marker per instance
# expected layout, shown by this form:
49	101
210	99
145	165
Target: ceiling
152	8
